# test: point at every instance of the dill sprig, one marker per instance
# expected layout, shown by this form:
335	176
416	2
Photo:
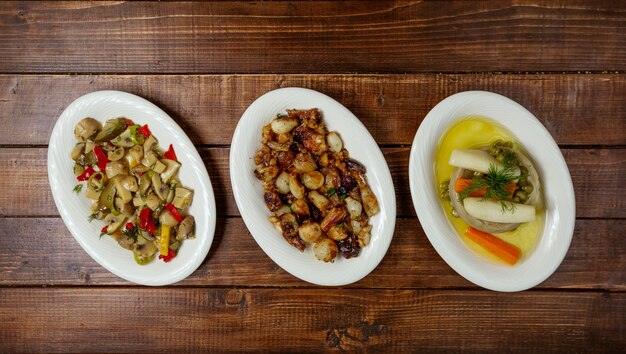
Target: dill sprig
495	183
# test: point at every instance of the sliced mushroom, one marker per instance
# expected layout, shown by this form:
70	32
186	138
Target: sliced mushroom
86	128
112	128
186	228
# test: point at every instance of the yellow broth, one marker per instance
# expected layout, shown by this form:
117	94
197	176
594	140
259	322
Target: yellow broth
475	132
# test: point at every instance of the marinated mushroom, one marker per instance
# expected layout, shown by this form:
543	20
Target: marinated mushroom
86	128
133	186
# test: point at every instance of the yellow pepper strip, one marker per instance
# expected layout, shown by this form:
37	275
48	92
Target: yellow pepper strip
164	240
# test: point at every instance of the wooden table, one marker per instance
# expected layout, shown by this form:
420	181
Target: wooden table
389	63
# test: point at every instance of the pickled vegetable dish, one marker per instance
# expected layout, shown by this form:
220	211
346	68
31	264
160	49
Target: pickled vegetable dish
316	192
134	187
490	189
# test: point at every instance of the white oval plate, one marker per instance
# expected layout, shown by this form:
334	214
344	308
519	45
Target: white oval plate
74	208
555	178
248	190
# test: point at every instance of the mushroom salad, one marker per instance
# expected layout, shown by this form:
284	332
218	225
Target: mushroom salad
134	187
316	192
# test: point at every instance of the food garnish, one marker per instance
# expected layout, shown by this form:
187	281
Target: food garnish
133	186
316	192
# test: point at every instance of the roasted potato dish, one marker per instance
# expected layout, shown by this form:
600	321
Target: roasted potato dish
317	194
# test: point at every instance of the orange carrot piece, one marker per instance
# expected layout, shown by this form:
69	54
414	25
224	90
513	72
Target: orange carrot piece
461	184
507	252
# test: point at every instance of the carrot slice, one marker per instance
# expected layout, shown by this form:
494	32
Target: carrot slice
462	184
507	252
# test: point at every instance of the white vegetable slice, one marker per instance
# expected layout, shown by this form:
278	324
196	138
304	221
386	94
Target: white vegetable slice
475	160
489	210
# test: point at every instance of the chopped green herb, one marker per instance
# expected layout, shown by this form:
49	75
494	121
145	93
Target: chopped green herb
342	196
495	183
102	234
78	188
330	192
294	224
131	233
91	217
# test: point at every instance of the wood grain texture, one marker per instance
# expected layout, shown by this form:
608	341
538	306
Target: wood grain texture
577	109
596	175
308	320
41	251
289	37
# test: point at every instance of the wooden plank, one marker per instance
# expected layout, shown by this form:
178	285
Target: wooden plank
577	109
317	36
596	174
308	320
41	251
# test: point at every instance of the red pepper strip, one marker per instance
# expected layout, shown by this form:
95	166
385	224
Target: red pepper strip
145	218
145	131
104	229
103	160
129	122
172	209
170	254
170	154
86	174
129	225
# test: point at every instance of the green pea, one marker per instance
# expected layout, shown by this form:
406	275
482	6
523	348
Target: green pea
498	142
523	170
528	188
454	213
445	195
522	181
444	185
500	158
508	144
521	195
516	200
494	151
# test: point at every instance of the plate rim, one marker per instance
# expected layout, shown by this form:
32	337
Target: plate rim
434	232
128	98
238	190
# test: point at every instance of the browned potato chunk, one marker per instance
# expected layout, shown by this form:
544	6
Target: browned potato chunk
300	207
313	180
338	232
319	200
282	183
304	163
310	232
296	188
326	250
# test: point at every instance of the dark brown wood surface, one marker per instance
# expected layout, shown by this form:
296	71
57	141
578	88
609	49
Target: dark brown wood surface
577	109
389	63
311	320
318	36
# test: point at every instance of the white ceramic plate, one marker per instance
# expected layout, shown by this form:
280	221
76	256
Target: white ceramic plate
554	175
74	208
248	190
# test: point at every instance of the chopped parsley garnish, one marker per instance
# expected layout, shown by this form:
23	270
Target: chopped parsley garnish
342	196
131	233
331	191
78	188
